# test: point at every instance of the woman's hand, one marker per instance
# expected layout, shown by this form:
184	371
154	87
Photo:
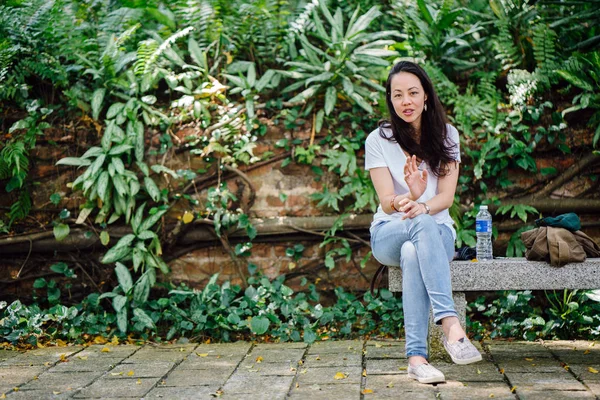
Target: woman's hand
411	208
416	182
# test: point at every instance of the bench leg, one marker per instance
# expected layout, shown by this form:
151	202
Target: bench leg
436	348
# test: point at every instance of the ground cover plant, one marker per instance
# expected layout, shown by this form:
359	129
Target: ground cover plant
124	77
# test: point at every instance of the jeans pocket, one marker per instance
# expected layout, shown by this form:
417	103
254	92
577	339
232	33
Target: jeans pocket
375	228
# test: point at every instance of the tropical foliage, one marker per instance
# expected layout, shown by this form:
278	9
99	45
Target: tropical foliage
135	73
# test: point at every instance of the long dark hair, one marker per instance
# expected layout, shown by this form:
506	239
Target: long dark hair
433	147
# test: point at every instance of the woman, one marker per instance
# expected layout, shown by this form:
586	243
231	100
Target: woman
413	161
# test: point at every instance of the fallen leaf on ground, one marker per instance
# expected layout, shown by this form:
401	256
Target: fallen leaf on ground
3	396
317	358
478	371
116	373
47	364
105	350
55	392
491	395
390	385
512	389
586	352
528	359
367	391
187	217
340	375
259	359
378	345
139	382
61	343
364	372
593	370
202	354
63	358
402	368
82	357
130	373
99	340
114	341
305	370
297	385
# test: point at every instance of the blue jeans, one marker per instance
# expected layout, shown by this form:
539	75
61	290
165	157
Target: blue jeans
423	249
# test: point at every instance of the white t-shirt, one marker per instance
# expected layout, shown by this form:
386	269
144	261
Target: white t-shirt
381	152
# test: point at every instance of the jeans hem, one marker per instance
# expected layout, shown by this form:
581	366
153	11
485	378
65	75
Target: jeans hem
417	354
438	319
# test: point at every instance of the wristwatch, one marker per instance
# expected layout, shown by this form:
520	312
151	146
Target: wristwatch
427	209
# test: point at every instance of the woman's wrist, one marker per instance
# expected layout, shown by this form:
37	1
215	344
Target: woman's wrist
393	203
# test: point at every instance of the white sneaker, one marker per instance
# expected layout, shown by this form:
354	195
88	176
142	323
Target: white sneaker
426	373
462	352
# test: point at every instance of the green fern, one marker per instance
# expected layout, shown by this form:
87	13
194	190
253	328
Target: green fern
20	208
506	51
544	51
145	50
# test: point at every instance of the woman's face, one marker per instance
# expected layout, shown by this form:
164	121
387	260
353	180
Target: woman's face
408	98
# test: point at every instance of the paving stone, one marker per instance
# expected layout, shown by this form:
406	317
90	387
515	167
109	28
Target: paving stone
224	349
341	359
149	370
183	347
275	355
478	372
271	346
308	375
86	364
344	346
549	381
207	360
62	382
386	367
107	351
531	365
594	387
276	369
38	394
185	378
18	375
454	390
49	355
261	386
326	392
182	393
385	352
536	394
7	354
118	388
398	386
148	354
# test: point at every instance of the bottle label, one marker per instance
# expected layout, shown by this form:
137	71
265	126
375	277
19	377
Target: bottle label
483	226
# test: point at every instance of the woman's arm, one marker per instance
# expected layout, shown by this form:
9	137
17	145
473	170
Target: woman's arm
384	186
442	201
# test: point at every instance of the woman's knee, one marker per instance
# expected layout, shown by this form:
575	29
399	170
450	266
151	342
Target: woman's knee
408	254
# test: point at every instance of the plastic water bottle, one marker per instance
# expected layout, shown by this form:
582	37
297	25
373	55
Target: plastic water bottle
483	227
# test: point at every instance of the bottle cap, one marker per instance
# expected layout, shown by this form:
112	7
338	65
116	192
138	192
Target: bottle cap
483	207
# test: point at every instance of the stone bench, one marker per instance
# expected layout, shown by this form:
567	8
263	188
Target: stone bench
504	274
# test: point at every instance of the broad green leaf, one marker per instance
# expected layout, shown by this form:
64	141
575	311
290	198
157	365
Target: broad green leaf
330	99
161	168
104	238
265	80
197	55
114	109
251	75
97	164
120	185
137	218
124	277
151	188
362	102
259	325
143	167
323	77
118	164
144	235
120	149
94	151
122	320
74	161
141	291
580	82
144	318
425	12
61	231
102	184
97	100
119	301
250	108
363	22
151	220
319	120
83	214
306	94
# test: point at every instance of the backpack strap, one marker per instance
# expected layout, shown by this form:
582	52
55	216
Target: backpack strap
377	279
